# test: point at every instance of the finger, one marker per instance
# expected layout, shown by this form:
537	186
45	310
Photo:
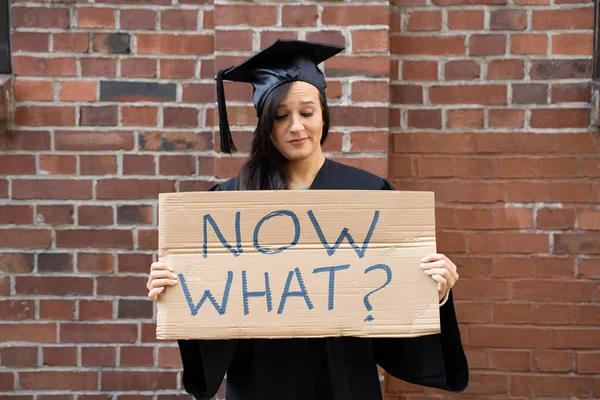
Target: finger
439	271
434	257
159	265
162	274
433	264
153	294
163	282
442	283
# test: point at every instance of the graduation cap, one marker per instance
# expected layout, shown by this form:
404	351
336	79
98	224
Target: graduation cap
284	61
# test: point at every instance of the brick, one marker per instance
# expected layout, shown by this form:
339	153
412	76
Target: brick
180	20
503	118
435	143
514	218
40	17
576	338
90	310
98	356
267	38
372	67
482	289
332	91
93	141
241	15
355	15
57	165
485	45
508	20
98	333
58	380
45	116
98	67
513	267
589	219
33	90
370	41
424	21
554	267
468	2
180	117
95	215
549	192
105	239
139	116
532	93
99	116
550	314
233	40
510	337
566	118
420	70
588	363
138	165
71	42
95	262
55	262
177	68
147	239
573	44
30	41
127	189
377	117
468	94
60	356
370	91
139	68
551	385
465	20
25	140
97	165
475	167
549	218
435	167
552	291
208	18
590	167
469	192
427	45
54	214
406	94
425	119
511	360
577	144
583	243
558	167
509	242
135	309
465	118
21	356
175	44
529	44
136	356
16	214
580	18
561	69
475	313
16	262
135	2
511	143
461	70
29	238
30	333
138	380
17	164
299	15
50	285
78	91
587	314
571	92
134	263
137	19
132	215
137	91
169	357
17	310
95	17
555	361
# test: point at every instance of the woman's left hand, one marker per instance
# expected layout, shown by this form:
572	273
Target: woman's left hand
442	270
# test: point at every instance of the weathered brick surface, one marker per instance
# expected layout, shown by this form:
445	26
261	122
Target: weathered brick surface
484	102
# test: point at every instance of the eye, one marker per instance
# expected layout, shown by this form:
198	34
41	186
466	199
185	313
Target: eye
280	117
309	114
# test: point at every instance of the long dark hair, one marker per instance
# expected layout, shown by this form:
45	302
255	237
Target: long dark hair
265	168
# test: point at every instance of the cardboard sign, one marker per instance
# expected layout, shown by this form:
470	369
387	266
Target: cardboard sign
280	264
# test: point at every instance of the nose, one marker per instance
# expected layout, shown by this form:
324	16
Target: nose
297	125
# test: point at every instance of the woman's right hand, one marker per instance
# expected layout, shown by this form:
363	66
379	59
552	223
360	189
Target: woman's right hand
160	276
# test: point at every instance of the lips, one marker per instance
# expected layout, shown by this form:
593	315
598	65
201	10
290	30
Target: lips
297	142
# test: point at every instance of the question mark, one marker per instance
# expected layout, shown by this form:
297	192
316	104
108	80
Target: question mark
388	272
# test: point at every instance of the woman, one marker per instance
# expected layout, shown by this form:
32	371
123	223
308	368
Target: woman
289	96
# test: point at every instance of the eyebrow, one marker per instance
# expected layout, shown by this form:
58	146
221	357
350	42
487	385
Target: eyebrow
302	102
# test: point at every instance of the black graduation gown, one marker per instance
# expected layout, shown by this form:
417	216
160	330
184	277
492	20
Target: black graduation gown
336	368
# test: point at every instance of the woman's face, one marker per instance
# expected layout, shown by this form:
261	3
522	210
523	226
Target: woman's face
298	125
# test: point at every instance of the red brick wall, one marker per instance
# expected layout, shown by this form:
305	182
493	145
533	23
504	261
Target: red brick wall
114	103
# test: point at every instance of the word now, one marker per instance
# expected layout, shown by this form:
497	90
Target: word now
238	250
293	275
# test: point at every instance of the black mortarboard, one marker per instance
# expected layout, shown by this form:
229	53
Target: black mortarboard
284	61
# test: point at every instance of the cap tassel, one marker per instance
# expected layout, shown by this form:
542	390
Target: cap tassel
227	145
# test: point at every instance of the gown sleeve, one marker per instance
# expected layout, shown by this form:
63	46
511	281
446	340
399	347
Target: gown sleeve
436	361
205	362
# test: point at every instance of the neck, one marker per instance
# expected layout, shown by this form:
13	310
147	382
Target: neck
302	173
